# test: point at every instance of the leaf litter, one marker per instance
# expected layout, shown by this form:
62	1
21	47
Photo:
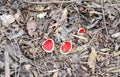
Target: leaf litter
26	24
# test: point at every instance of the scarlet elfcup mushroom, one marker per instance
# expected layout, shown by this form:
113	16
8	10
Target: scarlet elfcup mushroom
66	47
81	31
48	45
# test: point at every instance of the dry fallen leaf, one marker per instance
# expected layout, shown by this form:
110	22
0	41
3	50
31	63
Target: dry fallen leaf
100	58
35	73
115	35
27	66
115	71
92	59
69	71
62	33
84	68
41	15
81	37
36	8
96	5
31	27
64	15
7	19
17	15
105	49
116	53
20	33
81	48
55	74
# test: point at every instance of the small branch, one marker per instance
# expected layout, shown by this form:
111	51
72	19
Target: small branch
42	3
7	69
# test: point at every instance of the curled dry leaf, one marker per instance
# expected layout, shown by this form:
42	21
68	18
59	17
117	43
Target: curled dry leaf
92	59
7	19
31	27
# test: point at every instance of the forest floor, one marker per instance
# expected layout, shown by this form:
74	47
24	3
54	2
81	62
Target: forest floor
26	24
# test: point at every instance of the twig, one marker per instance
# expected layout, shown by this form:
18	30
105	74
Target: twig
20	58
104	21
61	4
95	35
52	2
7	69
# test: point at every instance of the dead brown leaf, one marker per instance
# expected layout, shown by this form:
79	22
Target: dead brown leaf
69	71
92	59
64	15
55	74
31	26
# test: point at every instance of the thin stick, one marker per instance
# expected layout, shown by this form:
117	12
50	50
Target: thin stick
52	2
7	69
104	21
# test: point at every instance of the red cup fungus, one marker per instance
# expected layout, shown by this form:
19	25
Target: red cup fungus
48	45
81	31
66	47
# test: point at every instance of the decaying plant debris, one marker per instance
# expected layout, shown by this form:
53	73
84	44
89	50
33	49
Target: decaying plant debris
26	24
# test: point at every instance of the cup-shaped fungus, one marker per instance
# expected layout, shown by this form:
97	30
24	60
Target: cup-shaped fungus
81	31
48	45
66	47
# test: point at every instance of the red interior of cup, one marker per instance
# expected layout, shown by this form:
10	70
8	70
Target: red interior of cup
48	45
66	47
81	31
